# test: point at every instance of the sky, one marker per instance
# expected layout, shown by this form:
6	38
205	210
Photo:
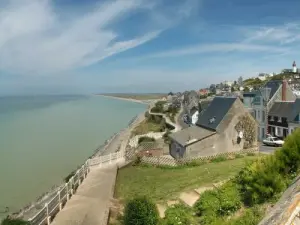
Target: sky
96	46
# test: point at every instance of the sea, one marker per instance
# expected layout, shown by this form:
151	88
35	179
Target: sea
44	138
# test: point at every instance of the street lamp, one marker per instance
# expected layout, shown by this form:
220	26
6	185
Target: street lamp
265	92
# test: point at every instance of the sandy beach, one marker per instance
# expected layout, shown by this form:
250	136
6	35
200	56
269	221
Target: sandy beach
147	102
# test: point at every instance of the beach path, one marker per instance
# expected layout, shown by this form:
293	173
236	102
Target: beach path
90	204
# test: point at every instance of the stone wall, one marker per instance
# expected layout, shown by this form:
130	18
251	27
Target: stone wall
286	210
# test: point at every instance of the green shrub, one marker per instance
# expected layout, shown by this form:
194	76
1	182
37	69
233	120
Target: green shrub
289	155
178	214
208	204
146	139
250	154
220	201
137	161
230	200
261	180
251	216
219	159
140	211
8	221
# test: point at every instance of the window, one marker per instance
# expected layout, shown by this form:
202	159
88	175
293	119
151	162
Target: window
262	132
279	131
263	116
258	114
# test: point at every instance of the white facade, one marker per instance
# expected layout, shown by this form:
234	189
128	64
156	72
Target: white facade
195	117
228	83
294	67
262	76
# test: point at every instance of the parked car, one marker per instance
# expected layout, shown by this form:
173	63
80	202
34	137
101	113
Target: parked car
273	141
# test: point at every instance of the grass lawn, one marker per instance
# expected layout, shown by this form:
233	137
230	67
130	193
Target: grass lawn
166	183
146	127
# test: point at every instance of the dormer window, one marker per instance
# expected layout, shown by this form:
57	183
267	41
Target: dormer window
212	120
271	118
279	120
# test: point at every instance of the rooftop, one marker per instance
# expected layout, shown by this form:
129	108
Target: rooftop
290	110
215	112
190	135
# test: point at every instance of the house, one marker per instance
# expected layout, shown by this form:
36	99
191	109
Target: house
190	97
273	91
203	92
190	101
224	126
283	118
248	98
262	76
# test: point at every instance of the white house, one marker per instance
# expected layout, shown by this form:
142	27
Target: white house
262	76
195	117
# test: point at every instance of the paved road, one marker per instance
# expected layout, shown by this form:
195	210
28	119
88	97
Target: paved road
266	149
180	120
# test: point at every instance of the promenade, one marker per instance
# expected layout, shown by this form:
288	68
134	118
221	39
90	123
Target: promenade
90	204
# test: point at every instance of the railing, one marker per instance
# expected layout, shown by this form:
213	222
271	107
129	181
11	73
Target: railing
48	212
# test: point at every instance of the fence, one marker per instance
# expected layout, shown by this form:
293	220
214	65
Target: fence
48	212
170	161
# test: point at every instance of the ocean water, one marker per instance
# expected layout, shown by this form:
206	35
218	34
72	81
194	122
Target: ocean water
43	138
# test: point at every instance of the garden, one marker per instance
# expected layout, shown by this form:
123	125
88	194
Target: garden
254	186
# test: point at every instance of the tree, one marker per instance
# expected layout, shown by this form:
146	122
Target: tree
140	211
240	81
246	89
212	88
232	89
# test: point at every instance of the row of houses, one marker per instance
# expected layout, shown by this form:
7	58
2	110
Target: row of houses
275	107
230	124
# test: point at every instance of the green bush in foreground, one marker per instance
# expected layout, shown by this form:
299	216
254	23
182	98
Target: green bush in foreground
8	221
251	216
264	179
219	202
178	214
140	211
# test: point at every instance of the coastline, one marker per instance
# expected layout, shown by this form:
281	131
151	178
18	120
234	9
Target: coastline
111	145
147	102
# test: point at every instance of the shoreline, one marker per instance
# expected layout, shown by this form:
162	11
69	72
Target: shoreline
146	102
111	145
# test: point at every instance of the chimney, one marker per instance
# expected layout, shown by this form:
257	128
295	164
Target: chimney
284	86
199	107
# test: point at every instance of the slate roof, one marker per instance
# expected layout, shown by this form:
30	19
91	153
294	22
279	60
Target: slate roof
190	135
217	109
281	109
273	85
290	110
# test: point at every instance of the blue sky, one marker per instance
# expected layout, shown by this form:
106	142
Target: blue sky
76	46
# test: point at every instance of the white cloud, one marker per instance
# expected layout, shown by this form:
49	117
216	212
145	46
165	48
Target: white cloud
284	34
34	39
218	47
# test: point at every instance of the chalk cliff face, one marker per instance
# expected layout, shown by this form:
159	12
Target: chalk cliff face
286	210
